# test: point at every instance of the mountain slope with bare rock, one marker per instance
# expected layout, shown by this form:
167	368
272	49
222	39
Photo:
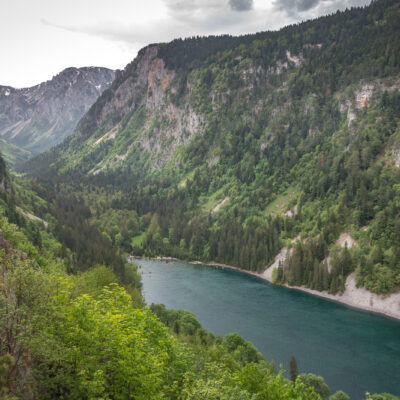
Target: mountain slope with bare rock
39	117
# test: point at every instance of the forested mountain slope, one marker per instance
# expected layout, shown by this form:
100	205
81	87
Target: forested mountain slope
35	119
230	148
73	324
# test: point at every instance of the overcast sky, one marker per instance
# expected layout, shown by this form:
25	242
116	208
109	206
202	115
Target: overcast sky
39	38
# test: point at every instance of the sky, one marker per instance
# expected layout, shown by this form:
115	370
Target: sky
40	38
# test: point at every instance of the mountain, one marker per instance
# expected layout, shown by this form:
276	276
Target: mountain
278	146
276	152
172	94
35	119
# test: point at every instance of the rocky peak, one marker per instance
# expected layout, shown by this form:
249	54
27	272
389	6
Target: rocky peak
128	90
39	117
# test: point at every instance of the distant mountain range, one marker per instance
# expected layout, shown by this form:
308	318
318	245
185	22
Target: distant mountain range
34	119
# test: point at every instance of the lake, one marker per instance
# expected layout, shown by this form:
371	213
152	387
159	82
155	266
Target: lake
353	350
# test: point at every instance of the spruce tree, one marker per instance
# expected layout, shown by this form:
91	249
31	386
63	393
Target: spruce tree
294	371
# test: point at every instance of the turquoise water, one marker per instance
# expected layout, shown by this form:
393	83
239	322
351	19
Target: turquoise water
354	351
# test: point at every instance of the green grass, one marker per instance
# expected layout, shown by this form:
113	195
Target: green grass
137	241
189	175
209	202
280	204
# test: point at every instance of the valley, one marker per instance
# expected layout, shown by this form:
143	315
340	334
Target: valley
273	153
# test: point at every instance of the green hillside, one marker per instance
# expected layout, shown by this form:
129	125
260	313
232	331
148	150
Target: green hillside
12	153
227	148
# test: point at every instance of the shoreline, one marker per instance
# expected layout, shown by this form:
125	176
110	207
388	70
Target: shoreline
348	298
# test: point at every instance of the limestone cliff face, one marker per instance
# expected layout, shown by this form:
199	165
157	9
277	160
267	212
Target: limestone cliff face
151	110
137	114
126	93
41	116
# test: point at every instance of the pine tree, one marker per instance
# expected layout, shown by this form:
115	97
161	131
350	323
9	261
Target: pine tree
294	371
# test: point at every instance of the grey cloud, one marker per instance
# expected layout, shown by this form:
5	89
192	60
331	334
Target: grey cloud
293	7
212	16
132	35
304	5
207	7
193	6
241	5
183	18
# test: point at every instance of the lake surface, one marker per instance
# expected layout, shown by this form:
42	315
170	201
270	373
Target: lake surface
354	351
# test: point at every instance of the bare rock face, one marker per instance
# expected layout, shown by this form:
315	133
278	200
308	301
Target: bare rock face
144	85
41	116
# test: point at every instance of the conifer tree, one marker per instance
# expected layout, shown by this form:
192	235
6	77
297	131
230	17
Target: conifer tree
294	371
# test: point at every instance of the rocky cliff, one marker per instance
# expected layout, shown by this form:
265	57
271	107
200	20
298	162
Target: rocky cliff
136	119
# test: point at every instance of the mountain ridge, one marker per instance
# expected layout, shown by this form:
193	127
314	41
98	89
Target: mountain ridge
38	117
280	61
